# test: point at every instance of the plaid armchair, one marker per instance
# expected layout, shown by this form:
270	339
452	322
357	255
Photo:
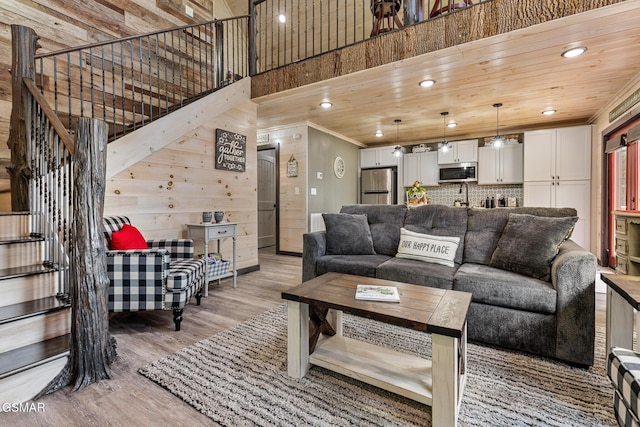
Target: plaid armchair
163	277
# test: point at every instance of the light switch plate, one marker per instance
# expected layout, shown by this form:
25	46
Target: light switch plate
314	191
188	10
296	190
319	175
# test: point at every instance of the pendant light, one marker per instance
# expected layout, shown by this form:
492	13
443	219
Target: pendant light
497	141
397	150
444	145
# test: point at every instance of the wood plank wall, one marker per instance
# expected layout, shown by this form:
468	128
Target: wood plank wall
293	207
70	23
174	185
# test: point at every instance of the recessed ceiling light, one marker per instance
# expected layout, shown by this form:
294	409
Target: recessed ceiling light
427	83
326	104
452	124
282	18
572	53
549	112
379	133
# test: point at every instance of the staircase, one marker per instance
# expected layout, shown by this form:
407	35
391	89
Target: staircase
34	323
126	83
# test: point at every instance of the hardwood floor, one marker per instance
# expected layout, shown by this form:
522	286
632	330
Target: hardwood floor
130	399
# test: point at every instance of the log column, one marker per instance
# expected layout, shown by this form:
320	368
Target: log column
93	349
24	47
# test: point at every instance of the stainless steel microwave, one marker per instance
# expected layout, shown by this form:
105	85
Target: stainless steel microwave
459	172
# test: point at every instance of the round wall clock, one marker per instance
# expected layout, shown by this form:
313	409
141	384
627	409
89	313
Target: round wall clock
338	167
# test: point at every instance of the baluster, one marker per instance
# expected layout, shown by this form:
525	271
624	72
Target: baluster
150	79
124	123
81	85
93	114
69	89
141	61
159	79
113	86
104	86
180	65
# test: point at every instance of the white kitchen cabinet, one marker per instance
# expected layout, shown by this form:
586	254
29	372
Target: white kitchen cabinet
558	154
557	173
500	166
459	152
564	194
421	167
377	157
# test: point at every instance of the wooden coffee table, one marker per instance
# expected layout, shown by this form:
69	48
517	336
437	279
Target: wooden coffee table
316	306
623	298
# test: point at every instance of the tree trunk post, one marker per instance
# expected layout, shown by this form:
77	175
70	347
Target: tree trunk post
24	47
93	350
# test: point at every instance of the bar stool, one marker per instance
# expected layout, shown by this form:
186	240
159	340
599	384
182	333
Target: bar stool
452	5
384	9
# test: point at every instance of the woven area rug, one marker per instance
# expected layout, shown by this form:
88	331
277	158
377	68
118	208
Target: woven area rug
239	378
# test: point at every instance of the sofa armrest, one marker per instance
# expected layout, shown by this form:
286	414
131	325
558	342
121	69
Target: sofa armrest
573	274
314	245
137	279
178	248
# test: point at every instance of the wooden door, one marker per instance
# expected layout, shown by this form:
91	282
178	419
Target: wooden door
267	198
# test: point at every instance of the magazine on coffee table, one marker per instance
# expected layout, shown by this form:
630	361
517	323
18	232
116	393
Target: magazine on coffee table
377	293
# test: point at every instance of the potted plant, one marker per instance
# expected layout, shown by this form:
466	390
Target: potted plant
417	195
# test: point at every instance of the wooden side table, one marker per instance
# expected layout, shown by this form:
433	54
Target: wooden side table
215	231
623	298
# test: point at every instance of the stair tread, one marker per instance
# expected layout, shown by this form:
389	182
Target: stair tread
17	213
26	270
14	312
19	239
20	359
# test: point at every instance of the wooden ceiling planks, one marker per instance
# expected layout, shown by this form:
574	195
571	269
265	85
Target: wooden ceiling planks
522	69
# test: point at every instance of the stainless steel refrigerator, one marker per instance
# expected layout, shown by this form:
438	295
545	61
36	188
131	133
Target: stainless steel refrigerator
378	186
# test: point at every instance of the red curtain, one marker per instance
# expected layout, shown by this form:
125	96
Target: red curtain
632	176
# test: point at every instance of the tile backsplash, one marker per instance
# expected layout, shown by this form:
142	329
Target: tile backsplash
446	194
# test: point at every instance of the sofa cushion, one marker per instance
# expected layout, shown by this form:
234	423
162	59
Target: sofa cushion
416	272
439	220
529	243
505	289
485	226
427	248
360	265
348	234
385	222
516	329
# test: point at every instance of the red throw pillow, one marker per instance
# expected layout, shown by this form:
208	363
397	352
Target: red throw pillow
128	238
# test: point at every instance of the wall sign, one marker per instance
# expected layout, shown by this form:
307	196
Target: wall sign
625	105
292	167
231	151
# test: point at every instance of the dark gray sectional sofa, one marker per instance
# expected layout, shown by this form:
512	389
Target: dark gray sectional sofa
553	316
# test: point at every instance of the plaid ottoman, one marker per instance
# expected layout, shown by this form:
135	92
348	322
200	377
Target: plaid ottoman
623	368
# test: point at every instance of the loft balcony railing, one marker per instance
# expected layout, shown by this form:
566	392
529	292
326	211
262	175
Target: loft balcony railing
131	82
288	31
